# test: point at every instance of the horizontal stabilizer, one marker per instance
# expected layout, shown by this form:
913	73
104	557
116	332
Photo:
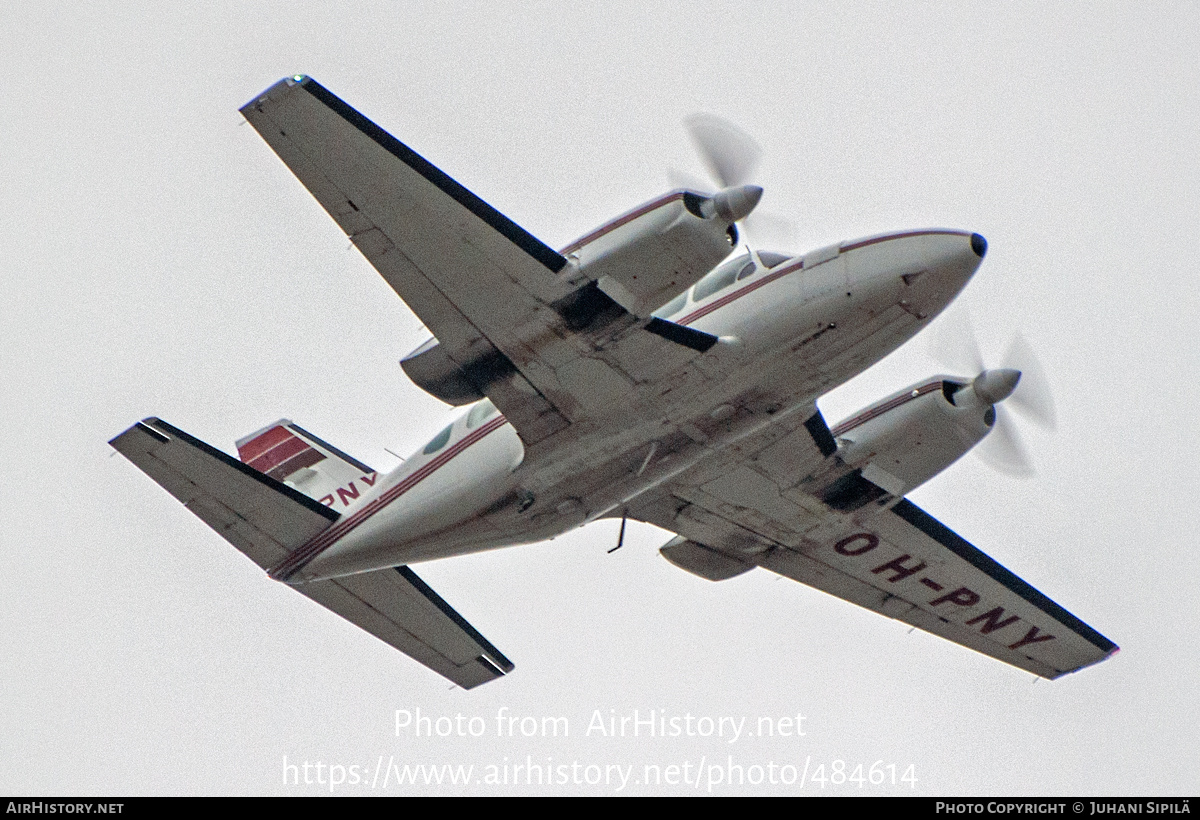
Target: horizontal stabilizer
259	515
267	520
401	610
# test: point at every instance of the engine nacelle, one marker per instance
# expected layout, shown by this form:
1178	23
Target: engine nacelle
898	444
647	257
640	260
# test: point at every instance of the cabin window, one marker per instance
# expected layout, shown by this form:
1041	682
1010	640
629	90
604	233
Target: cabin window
439	441
484	410
722	277
672	307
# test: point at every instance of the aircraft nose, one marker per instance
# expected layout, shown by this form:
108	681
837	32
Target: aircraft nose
921	270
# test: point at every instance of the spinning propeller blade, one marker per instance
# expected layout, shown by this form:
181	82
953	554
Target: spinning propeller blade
1003	449
1022	386
731	156
1034	401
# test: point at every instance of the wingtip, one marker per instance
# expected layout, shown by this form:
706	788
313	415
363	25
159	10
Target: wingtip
146	425
278	88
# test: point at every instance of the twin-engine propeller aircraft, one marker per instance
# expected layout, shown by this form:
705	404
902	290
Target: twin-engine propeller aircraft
634	373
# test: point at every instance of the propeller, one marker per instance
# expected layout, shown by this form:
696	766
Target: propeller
730	154
1021	387
731	157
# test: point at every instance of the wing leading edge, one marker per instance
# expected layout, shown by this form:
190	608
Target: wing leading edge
266	520
472	276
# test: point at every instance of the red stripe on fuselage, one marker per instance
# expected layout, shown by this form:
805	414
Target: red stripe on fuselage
891	404
775	274
302	555
619	221
324	540
740	292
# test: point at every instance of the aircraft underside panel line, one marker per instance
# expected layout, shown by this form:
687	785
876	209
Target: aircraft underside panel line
770	503
549	350
600	405
905	564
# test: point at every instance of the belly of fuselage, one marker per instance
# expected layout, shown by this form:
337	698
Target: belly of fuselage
787	341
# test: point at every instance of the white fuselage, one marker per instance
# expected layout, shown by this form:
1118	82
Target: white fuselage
788	334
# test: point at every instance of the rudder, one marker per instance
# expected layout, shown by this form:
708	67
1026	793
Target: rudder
289	453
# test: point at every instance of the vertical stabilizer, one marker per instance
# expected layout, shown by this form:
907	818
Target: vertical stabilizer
289	453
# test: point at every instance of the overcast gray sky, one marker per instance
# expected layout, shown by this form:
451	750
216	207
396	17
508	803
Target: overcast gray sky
158	259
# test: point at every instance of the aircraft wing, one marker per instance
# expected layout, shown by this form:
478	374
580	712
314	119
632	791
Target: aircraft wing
547	351
267	520
889	556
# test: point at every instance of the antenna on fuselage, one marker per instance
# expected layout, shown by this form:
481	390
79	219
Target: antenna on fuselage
621	536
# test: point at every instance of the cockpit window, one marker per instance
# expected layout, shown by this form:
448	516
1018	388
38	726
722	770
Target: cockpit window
722	277
746	270
672	307
439	441
484	410
771	258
